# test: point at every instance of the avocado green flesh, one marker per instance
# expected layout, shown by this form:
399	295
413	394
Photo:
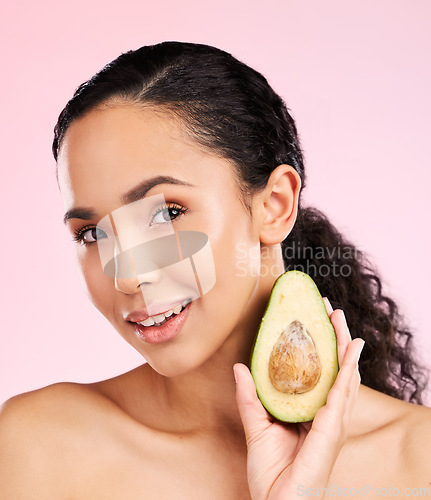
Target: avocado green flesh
294	297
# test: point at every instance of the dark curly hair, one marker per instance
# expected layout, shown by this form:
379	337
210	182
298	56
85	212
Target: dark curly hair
231	110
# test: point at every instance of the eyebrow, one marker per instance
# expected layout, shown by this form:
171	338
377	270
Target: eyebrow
135	194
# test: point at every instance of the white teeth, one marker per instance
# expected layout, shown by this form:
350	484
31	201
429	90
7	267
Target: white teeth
177	309
159	318
148	322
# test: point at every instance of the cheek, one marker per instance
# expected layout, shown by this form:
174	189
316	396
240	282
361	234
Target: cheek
237	260
96	283
240	252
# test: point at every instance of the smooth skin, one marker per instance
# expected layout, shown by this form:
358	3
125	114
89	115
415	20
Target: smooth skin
179	427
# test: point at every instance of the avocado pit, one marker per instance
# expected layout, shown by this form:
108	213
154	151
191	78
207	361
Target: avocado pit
294	364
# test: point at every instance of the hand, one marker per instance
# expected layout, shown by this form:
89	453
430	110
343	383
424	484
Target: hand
282	456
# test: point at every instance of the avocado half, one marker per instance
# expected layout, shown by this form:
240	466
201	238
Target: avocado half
294	359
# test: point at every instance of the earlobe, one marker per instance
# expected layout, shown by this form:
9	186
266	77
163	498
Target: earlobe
280	204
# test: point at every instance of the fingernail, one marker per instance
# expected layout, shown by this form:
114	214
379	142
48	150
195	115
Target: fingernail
234	374
328	303
360	351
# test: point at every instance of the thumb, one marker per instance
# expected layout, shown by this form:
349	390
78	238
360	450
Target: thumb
253	415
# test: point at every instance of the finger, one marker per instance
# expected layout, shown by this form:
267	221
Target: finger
351	390
328	430
253	415
343	392
328	306
354	387
342	332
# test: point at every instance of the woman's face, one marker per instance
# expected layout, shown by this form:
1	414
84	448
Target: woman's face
106	154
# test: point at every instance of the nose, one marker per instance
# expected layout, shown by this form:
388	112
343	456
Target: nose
128	281
127	285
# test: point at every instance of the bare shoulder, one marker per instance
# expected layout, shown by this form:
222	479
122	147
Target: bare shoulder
415	428
65	403
410	432
388	445
410	422
41	433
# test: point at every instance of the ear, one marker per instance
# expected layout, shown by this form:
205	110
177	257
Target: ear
280	204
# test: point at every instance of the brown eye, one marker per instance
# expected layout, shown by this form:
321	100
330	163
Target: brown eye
167	214
93	234
87	236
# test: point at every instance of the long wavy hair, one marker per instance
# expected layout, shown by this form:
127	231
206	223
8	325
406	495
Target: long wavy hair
230	109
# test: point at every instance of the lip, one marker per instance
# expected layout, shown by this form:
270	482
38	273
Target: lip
142	315
165	332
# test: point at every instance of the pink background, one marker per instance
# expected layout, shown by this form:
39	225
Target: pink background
357	78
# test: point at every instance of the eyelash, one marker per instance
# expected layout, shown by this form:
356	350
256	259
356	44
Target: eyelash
79	233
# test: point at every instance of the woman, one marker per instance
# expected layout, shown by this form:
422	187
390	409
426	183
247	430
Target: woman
190	126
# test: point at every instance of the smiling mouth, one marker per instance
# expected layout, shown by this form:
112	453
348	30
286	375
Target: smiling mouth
160	319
